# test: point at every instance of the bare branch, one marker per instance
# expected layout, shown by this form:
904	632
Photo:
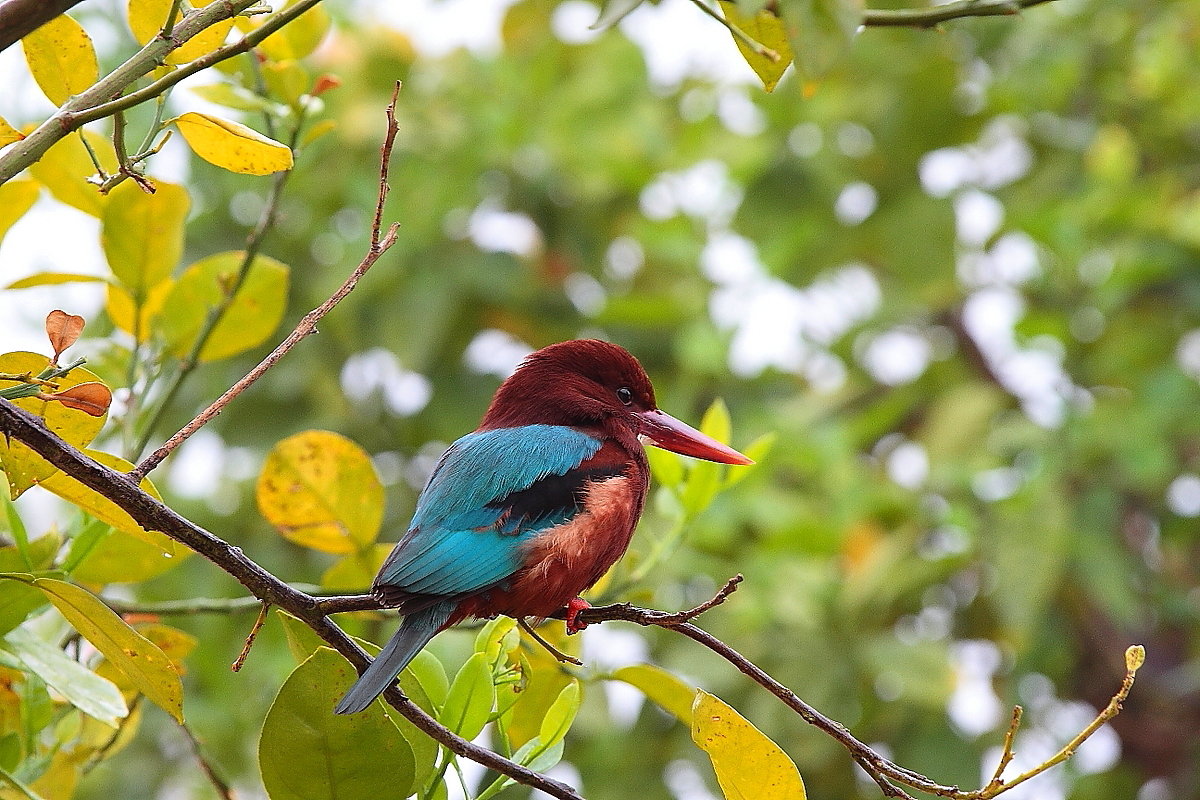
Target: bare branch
380	243
958	9
19	18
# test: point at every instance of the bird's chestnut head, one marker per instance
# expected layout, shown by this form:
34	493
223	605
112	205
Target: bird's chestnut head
591	384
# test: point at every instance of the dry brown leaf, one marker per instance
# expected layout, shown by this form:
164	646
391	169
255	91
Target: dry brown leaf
91	398
63	330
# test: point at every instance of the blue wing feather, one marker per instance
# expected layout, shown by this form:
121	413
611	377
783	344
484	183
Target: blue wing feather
459	540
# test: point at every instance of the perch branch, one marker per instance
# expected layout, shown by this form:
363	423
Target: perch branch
152	515
929	17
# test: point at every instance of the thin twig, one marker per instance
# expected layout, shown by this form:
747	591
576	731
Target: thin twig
958	9
758	47
308	324
551	649
236	666
220	784
1006	755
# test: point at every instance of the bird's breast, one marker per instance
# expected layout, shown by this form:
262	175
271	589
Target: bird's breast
567	559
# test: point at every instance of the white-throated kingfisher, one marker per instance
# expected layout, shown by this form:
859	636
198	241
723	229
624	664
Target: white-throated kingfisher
533	507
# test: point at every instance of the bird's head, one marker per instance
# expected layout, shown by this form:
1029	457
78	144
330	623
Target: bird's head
587	383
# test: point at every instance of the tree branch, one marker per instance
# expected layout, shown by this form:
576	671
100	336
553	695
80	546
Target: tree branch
929	17
104	97
380	243
19	18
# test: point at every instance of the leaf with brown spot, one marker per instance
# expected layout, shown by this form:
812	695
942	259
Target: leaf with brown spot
91	398
63	330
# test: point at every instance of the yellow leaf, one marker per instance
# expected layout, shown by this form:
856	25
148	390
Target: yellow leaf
149	669
147	18
669	692
299	37
24	467
749	766
766	29
66	167
233	146
142	234
61	58
16	197
53	279
320	490
254	314
9	134
106	510
121	309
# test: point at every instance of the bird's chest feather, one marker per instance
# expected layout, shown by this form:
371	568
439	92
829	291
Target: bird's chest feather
565	560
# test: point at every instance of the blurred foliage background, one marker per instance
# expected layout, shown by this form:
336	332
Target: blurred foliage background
956	275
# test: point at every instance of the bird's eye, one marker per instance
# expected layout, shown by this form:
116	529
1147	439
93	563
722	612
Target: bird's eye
625	395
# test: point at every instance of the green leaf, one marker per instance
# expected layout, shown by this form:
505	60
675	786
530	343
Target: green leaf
320	490
497	639
17	601
302	641
748	764
756	451
61	58
306	752
716	422
561	714
766	28
669	692
237	97
666	467
146	666
253	315
142	234
472	695
93	695
52	278
16	197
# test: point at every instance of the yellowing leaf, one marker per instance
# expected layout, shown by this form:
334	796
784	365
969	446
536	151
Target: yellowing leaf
142	234
61	58
66	167
146	666
299	37
544	680
106	510
320	490
16	197
749	766
669	692
253	315
147	18
9	134
767	29
24	467
124	312
53	279
233	146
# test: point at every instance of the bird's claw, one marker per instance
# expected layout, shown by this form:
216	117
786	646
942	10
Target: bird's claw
574	624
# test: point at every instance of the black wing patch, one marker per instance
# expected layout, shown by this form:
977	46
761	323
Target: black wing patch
555	497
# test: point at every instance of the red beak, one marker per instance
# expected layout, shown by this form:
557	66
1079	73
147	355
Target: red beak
663	430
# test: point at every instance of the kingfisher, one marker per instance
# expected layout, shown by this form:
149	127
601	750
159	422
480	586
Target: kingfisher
527	512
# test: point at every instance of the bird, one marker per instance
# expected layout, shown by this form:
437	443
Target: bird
528	511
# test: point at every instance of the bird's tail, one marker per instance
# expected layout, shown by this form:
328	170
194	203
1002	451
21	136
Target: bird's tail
414	633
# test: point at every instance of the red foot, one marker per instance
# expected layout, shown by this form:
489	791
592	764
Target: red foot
574	624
